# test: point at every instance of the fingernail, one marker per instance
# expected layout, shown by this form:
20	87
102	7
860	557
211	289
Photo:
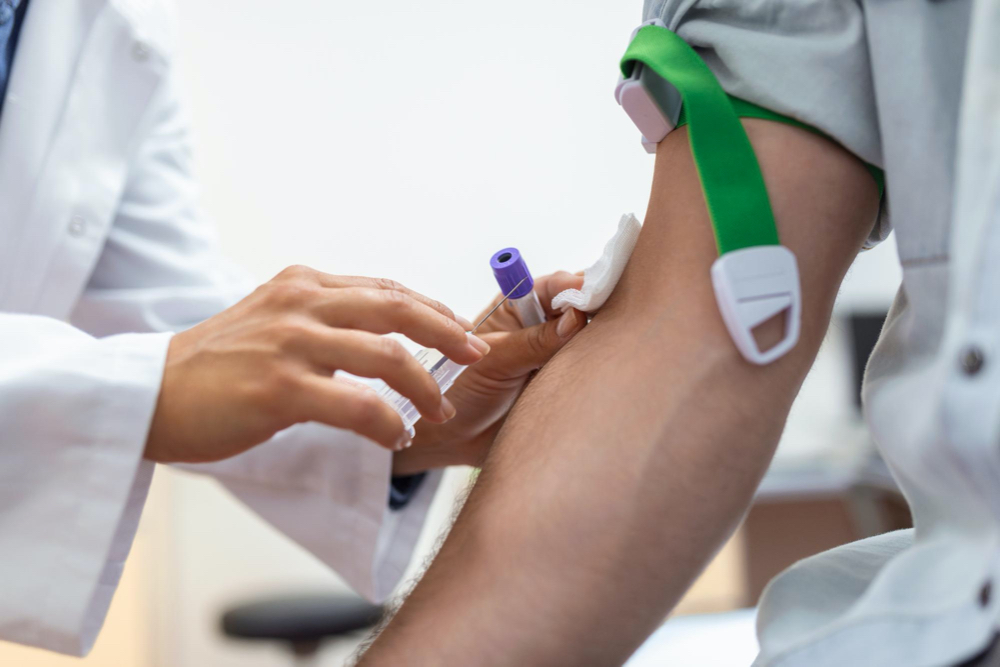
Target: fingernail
479	345
404	441
568	323
448	410
466	324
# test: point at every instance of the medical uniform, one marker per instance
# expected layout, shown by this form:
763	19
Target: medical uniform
104	251
912	86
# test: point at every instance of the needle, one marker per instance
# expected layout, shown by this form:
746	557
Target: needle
504	299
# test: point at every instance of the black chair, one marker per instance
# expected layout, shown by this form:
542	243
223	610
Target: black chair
303	622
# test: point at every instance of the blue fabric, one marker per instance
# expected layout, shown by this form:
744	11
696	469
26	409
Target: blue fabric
11	18
402	490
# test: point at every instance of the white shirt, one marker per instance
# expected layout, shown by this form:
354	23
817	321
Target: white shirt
101	233
912	86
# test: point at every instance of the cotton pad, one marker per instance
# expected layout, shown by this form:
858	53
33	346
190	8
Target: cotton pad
599	280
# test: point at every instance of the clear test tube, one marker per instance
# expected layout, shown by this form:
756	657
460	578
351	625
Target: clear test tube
510	269
442	369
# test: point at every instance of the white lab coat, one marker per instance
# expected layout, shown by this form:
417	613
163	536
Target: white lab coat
103	252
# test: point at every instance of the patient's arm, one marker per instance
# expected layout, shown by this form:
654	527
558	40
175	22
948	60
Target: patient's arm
635	452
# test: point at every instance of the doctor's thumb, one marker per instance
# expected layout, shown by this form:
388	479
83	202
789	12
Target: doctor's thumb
529	349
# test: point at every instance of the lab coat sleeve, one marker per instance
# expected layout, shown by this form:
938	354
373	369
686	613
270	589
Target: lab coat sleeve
328	490
161	270
75	412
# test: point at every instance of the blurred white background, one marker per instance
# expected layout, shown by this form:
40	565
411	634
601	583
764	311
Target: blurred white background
411	141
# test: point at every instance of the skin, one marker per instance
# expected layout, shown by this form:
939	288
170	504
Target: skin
267	363
633	455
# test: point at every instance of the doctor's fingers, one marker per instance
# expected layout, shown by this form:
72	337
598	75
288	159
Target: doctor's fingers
386	311
384	284
372	356
351	406
518	353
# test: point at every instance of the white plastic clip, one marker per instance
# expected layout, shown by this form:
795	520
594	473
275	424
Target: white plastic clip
753	285
652	103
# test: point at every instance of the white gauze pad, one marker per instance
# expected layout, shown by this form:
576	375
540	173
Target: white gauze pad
600	279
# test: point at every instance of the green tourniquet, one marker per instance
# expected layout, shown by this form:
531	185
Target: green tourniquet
730	177
746	109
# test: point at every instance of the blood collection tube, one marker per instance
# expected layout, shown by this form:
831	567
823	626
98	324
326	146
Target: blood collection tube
509	269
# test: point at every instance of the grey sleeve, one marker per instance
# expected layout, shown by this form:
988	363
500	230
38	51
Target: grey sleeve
806	59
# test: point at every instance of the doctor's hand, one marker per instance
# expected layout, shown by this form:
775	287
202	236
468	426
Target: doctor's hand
483	394
238	378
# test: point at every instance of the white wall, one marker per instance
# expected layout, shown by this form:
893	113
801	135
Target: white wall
398	139
413	140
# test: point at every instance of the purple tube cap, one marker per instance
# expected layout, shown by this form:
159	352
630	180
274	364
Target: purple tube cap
509	269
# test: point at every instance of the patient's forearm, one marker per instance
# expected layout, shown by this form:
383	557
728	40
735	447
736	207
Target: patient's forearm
635	452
